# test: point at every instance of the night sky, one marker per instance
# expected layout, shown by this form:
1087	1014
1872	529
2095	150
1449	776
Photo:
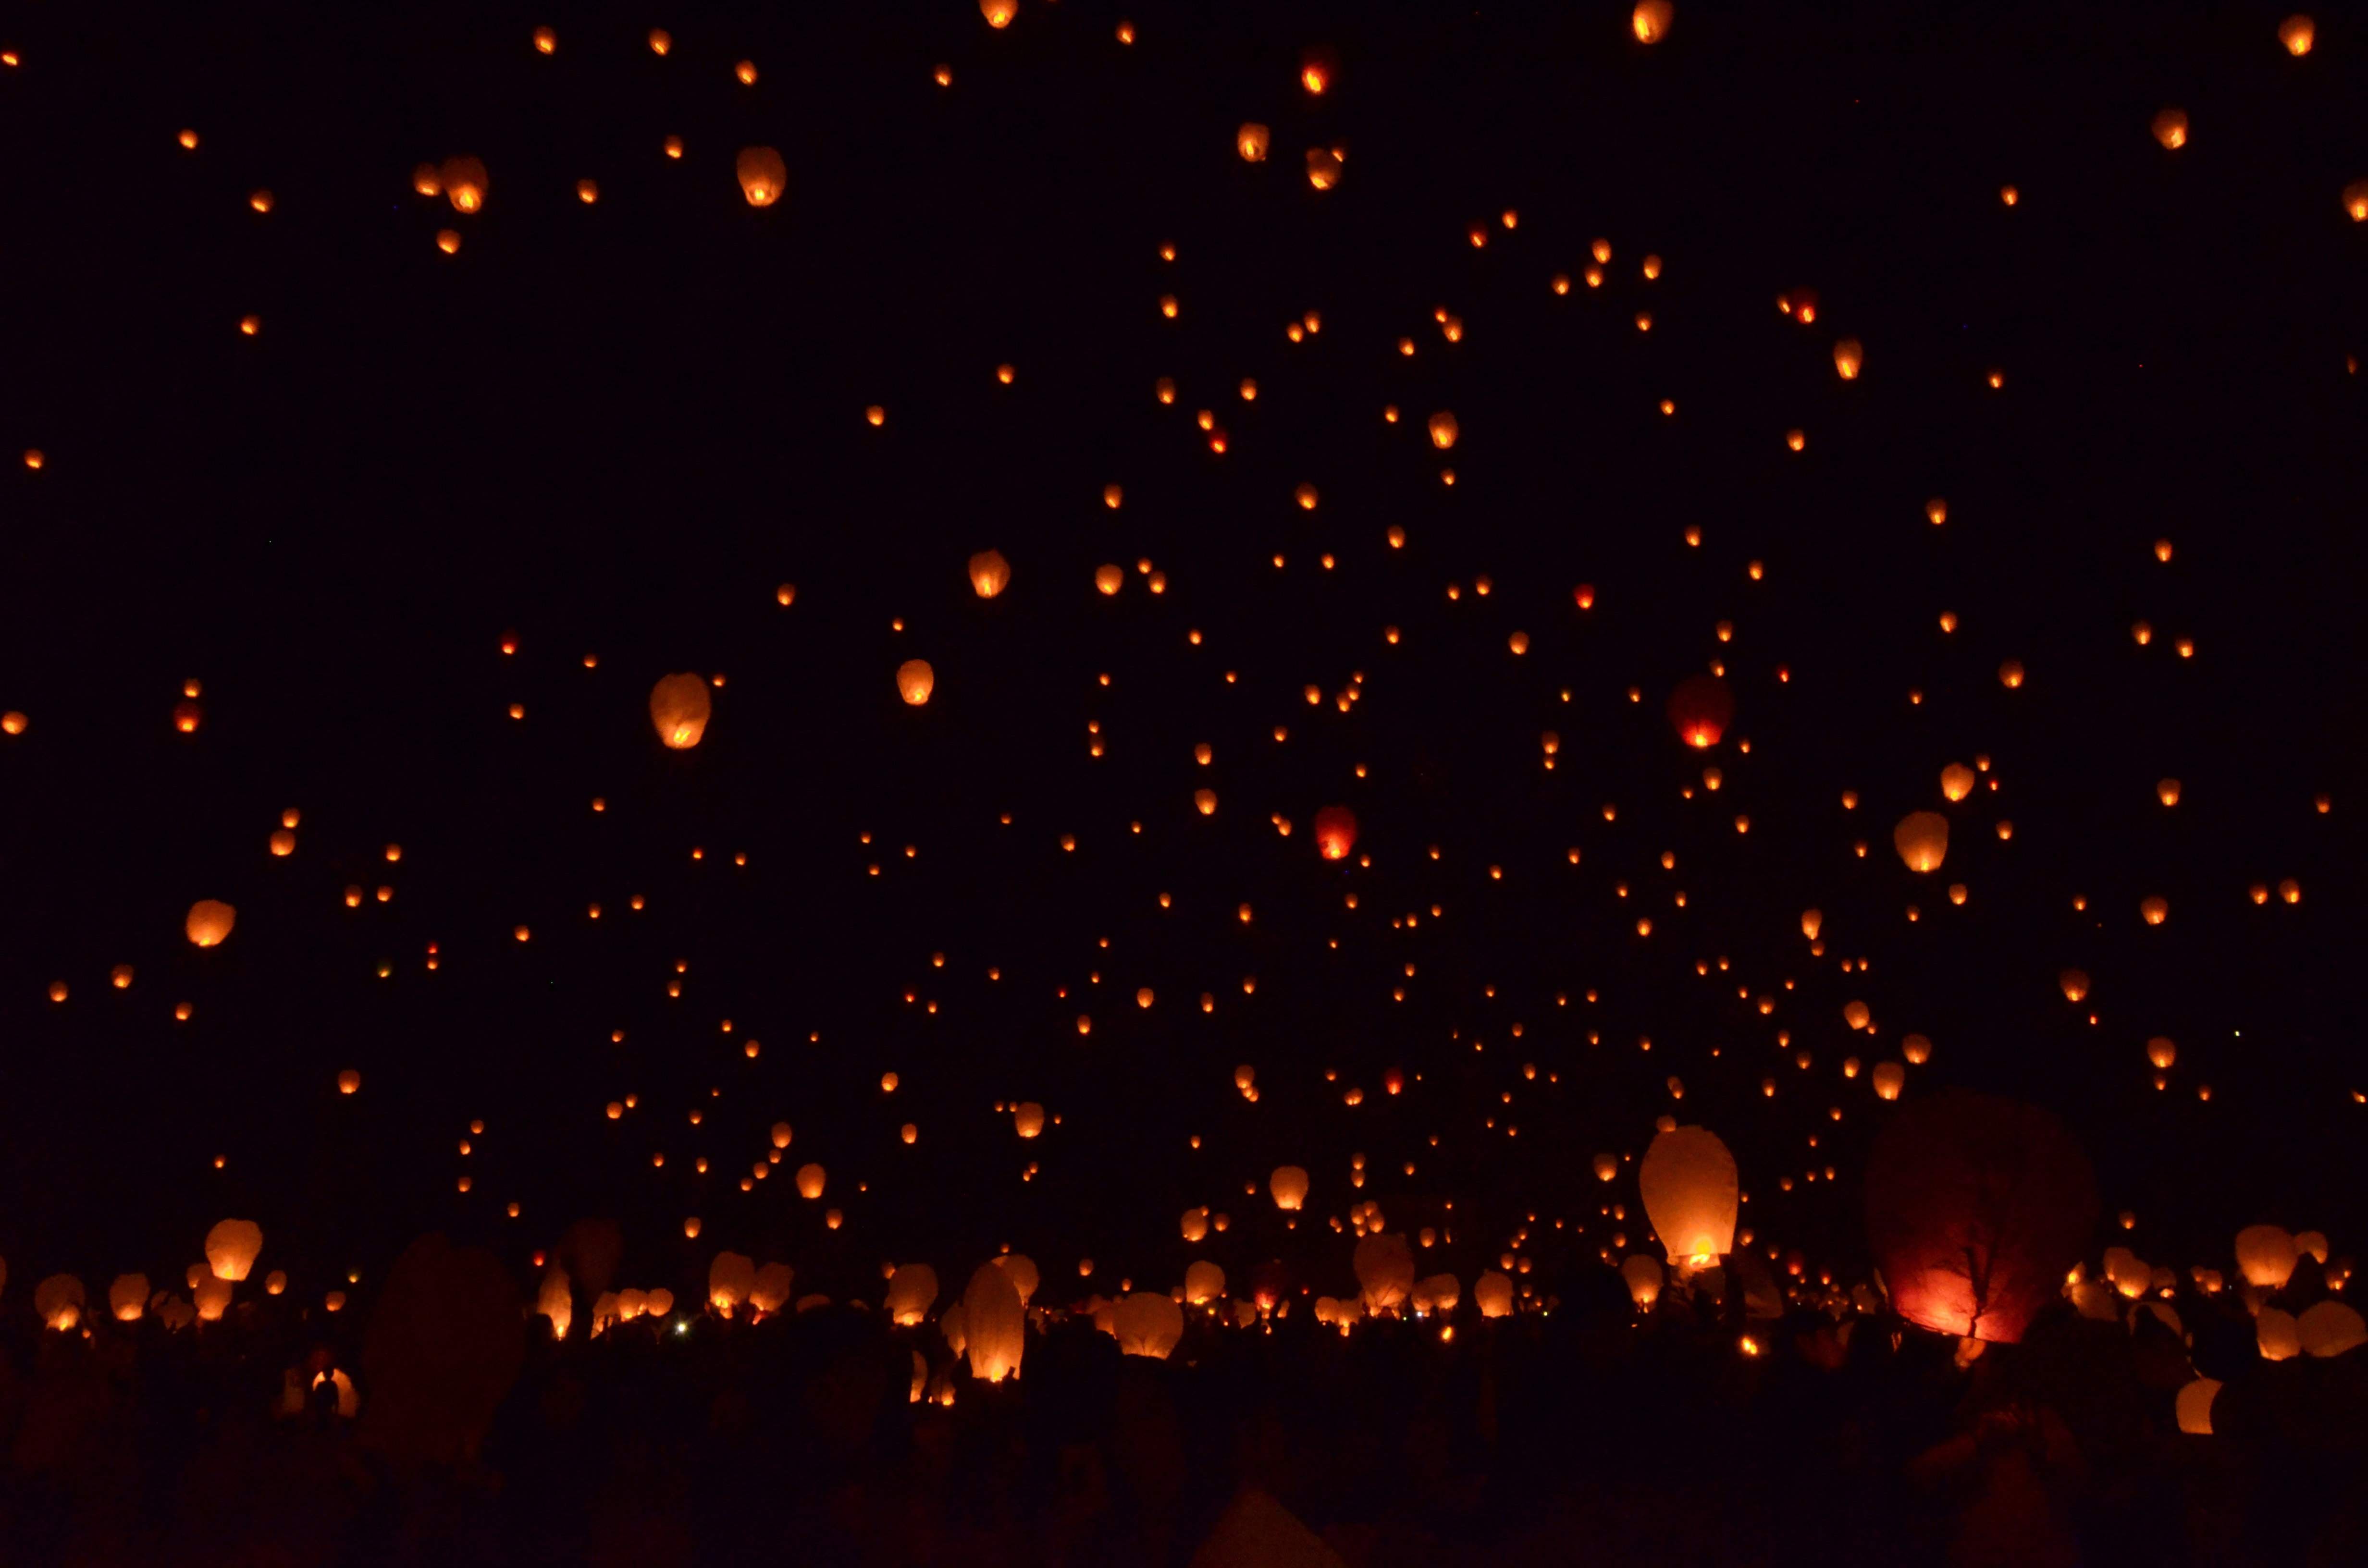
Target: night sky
611	435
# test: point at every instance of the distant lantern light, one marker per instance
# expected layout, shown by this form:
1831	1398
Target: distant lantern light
1289	1187
1849	357
914	681
1922	840
1252	141
763	176
2170	128
465	184
1699	709
1443	429
989	574
210	921
679	706
2298	32
1335	832
1650	20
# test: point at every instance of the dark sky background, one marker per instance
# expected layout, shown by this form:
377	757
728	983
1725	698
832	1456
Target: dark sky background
614	429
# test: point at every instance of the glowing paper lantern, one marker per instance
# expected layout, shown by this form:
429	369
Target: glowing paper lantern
1606	1166
729	1279
232	1246
771	1291
911	1292
2267	1256
1642	1272
1288	1185
914	681
1690	1192
1890	1077
993	1324
989	574
554	1301
678	707
1956	781
1335	832
1147	1323
128	1297
1203	1282
1651	18
809	1180
1443	430
1700	710
2194	1406
1922	840
1028	1119
1252	141
1385	1272
210	921
1977	1207
1494	1292
1848	357
464	183
2277	1334
763	176
2330	1328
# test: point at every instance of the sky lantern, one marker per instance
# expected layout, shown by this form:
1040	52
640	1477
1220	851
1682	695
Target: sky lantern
1700	710
2355	200
993	1324
998	13
464	183
1651	18
1689	1188
209	922
763	176
1890	1077
2330	1328
1812	922
1848	359
729	1279
911	1292
679	706
1317	65
2298	32
1494	1292
1289	1186
1385	1272
1977	1207
1443	430
232	1246
810	1181
59	1302
2194	1406
1917	1049
2162	1052
770	1294
1194	1225
1323	167
126	1299
1642	1271
1606	1166
2073	984
1146	1323
1956	781
1335	832
1108	578
1922	840
1252	141
989	574
2266	1254
1028	1119
914	681
1203	1282
2170	128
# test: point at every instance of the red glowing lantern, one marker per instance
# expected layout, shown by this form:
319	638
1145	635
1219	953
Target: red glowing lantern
1977	1209
1701	710
1335	832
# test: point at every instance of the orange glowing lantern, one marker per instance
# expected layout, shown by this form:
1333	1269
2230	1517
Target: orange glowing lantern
1699	709
1977	1207
763	176
679	706
1335	832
